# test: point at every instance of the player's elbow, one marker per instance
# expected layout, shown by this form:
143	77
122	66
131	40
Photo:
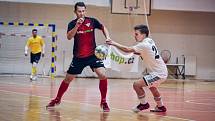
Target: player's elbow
69	37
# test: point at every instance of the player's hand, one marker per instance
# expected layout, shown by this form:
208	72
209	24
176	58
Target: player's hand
43	55
79	21
26	54
110	42
107	40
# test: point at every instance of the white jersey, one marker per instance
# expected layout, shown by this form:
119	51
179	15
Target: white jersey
153	61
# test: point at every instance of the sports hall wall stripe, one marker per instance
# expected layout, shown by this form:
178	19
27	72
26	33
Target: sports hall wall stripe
52	26
23	35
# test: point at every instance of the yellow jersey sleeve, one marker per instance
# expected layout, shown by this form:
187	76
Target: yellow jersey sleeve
28	42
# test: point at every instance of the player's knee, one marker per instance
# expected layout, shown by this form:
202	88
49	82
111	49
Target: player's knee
135	85
68	79
101	72
138	84
102	76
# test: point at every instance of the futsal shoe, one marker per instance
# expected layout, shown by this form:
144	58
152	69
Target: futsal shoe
31	77
53	103
34	78
141	107
105	107
159	109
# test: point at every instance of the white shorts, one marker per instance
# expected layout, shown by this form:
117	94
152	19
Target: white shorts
152	80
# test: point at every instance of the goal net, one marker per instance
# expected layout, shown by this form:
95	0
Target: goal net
12	44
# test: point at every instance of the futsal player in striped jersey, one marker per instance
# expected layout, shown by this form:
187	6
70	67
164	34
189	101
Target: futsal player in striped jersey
37	48
157	70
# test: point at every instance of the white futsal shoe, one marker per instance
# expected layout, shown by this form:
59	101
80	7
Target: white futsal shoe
141	107
33	78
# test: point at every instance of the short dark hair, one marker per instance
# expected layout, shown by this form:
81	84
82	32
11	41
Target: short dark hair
34	30
143	29
81	4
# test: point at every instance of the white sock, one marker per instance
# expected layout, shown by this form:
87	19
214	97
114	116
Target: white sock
159	101
142	99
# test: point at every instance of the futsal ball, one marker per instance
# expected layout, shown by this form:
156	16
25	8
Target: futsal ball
101	52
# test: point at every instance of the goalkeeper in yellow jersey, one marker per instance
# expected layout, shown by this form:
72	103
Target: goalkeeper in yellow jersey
37	48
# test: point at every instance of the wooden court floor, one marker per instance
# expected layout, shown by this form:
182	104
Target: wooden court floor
22	100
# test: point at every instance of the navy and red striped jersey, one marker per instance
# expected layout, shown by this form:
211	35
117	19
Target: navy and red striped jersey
84	39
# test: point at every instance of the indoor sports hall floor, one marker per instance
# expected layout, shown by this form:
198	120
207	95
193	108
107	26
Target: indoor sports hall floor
22	100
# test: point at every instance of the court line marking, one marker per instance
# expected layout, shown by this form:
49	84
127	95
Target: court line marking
199	103
32	83
93	105
47	85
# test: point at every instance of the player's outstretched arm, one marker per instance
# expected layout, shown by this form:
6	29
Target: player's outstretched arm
121	47
43	51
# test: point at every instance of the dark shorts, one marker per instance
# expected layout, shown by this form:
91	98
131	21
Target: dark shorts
78	64
35	57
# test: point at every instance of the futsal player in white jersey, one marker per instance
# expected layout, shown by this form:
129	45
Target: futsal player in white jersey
157	70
